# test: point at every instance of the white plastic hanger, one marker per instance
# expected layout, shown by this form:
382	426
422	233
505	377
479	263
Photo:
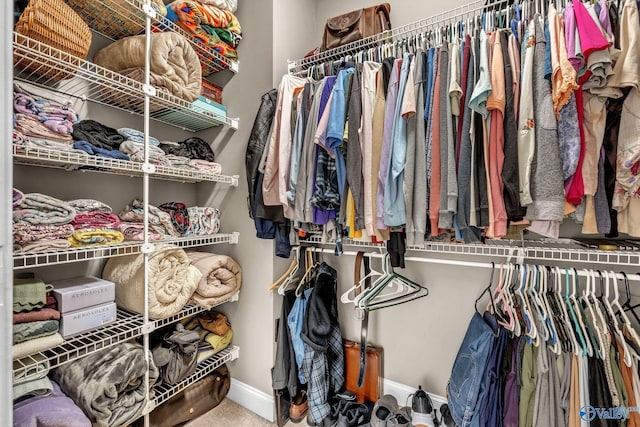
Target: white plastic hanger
602	349
626	322
628	358
578	312
575	347
350	295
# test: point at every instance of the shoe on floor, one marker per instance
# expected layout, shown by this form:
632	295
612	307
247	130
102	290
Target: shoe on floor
402	418
383	410
446	416
299	407
355	415
327	421
421	409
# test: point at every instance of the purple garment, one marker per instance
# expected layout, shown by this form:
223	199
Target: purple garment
322	216
603	17
511	391
570	36
55	410
385	156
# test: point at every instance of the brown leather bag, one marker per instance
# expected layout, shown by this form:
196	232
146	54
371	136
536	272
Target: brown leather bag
356	25
372	387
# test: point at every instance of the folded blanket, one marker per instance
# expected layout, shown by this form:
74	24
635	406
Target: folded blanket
94	150
193	148
135	151
179	215
202	20
172	280
30	126
36	345
161	220
174	61
24	232
209	167
180	162
29	294
38	368
95	219
55	410
44	245
18	137
89	205
33	388
210	343
134	231
55	116
109	385
137	136
93	237
27	331
221	278
203	221
36	315
97	134
17	196
40	209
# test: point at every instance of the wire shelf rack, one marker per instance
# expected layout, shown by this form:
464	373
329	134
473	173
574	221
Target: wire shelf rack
43	65
165	392
127	17
78	160
29	260
531	250
188	311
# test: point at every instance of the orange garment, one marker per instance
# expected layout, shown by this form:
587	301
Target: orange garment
434	185
627	377
574	395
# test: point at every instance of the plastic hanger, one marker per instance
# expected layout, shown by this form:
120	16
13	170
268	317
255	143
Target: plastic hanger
555	343
350	295
499	295
575	346
572	314
628	358
627	304
626	323
532	291
310	270
558	315
530	331
580	315
598	321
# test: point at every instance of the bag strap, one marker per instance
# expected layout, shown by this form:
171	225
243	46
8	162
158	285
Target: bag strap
362	260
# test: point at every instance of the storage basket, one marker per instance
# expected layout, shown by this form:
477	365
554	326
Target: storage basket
54	24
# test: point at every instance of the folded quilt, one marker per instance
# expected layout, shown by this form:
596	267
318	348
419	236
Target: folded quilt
36	345
54	410
32	127
97	134
43	245
98	236
55	116
179	215
40	209
180	162
95	219
172	280
39	368
209	167
135	151
94	150
29	294
33	388
201	20
27	331
18	137
221	278
109	385
137	136
203	221
174	62
134	231
89	205
193	148
161	220
36	315
23	232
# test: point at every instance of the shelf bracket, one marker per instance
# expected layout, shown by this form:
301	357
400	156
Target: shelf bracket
149	90
150	406
147	248
234	238
234	66
149	11
235	352
235	180
234	123
148	168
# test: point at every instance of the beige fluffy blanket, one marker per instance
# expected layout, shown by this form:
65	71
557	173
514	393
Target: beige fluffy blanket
221	278
172	281
174	63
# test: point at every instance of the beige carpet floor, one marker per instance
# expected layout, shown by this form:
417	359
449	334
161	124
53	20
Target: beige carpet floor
230	414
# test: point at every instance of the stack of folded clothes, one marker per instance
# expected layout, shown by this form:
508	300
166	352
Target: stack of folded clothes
94	224
160	224
215	332
199	154
54	409
35	317
99	140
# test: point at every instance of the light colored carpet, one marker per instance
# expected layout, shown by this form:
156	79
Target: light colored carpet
230	414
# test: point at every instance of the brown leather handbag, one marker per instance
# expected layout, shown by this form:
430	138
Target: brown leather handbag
372	386
356	25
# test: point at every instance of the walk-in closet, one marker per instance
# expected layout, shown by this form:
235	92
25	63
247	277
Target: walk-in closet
318	212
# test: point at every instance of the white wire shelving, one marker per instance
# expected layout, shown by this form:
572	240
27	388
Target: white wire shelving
78	160
122	18
43	65
127	326
41	259
164	392
530	250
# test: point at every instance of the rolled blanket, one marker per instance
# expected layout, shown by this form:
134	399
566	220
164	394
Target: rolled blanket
24	232
137	136
94	150
18	137
97	134
108	385
44	245
40	209
36	315
55	116
134	231
17	196
203	220
193	148
55	410
205	166
207	23
221	278
30	126
135	151
95	220
172	280
27	331
179	215
89	205
98	236
36	345
174	61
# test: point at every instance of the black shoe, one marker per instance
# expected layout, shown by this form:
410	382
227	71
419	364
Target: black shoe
421	408
355	414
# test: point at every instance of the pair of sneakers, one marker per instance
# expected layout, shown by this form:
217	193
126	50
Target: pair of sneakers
422	412
347	412
387	413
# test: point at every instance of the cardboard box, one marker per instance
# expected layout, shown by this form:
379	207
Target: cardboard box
211	91
86	319
211	107
81	292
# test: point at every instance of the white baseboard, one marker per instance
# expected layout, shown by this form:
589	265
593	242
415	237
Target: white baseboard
263	404
401	392
252	399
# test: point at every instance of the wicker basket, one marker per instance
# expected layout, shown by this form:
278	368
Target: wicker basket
54	24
